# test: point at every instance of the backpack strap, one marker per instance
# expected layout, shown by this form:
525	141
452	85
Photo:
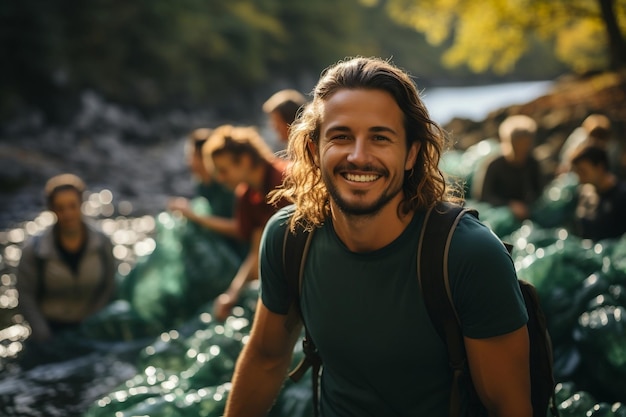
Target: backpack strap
295	249
542	373
432	272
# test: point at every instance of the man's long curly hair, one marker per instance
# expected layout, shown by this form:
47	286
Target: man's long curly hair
423	185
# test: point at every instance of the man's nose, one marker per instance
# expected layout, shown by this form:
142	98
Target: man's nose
359	152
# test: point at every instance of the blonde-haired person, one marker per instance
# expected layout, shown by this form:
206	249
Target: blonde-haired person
514	178
67	272
364	170
243	162
221	199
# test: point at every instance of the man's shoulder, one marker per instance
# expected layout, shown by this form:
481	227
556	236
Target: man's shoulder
280	220
476	236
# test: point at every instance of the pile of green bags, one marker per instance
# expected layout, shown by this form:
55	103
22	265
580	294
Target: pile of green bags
186	362
581	284
187	371
179	362
582	287
189	265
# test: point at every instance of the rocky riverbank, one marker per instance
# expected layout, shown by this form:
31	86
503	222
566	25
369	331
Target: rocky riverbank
140	160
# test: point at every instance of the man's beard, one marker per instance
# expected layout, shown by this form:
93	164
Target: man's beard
361	209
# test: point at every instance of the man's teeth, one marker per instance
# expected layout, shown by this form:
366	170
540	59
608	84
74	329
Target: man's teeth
362	177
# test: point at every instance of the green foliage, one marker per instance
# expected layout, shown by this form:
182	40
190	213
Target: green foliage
155	53
162	54
495	34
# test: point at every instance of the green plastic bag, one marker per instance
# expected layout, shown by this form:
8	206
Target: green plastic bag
577	405
189	267
557	203
119	321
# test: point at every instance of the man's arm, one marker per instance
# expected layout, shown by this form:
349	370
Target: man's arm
222	225
500	371
247	272
262	365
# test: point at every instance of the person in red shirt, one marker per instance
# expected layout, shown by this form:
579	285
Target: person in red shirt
243	161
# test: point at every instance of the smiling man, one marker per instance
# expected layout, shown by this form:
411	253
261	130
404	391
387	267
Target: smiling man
364	171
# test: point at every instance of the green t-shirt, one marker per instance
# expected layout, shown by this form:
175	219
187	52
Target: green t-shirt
366	315
221	199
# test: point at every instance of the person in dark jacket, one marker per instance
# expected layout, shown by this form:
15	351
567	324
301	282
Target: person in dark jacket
602	196
513	179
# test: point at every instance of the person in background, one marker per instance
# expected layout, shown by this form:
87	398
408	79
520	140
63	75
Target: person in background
67	272
594	130
244	162
221	199
282	108
513	179
601	210
364	171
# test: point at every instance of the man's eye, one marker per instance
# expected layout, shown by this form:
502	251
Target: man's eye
339	137
381	138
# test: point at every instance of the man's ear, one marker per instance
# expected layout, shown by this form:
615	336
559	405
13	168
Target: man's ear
412	155
312	146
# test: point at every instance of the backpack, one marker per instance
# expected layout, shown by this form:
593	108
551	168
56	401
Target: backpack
439	225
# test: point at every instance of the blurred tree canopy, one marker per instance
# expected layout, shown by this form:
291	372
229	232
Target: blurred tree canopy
494	34
157	54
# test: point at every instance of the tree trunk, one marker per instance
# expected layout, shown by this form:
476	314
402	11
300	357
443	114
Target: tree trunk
617	43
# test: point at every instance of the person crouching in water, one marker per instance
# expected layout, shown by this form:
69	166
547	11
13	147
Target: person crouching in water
67	272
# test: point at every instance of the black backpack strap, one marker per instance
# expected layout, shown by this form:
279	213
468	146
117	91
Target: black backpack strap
295	249
541	374
432	271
